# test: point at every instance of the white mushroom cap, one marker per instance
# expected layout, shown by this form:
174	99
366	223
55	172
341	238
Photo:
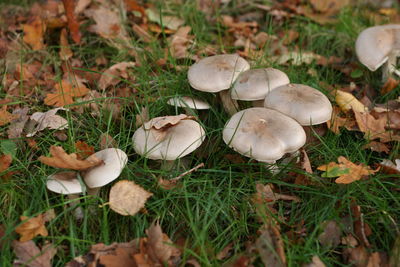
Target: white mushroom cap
263	134
65	183
216	73
168	138
303	103
114	161
188	102
255	84
374	44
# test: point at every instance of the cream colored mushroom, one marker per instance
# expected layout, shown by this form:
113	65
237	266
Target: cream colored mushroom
114	160
255	84
67	183
188	103
168	138
217	74
263	134
303	103
379	45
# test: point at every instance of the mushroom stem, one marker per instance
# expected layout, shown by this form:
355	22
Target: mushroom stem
258	103
93	191
167	165
390	66
74	202
230	105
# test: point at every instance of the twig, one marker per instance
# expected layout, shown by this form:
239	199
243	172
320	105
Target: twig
187	172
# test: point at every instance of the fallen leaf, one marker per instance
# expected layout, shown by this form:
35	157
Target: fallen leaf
361	228
265	193
389	85
179	43
49	120
170	22
17	125
225	252
65	50
374	128
73	23
338	121
316	262
65	92
142	117
331	235
112	76
377	147
270	247
29	255
389	167
83	150
357	257
106	141
329	6
6	117
63	160
31	227
159	125
347	101
119	257
305	161
5	163
34	32
347	171
127	198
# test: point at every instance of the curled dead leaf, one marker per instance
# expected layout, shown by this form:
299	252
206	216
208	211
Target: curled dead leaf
31	227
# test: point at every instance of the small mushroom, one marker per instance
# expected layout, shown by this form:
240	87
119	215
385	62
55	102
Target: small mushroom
255	84
217	74
188	103
303	103
168	138
114	160
67	183
379	45
263	134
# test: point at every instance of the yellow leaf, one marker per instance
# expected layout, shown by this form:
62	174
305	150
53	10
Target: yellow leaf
31	228
347	101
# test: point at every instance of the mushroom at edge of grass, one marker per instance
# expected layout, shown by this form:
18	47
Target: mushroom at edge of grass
217	74
188	104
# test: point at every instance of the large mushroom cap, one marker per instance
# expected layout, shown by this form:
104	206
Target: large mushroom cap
303	103
114	161
216	73
263	134
374	44
255	84
168	137
188	102
65	183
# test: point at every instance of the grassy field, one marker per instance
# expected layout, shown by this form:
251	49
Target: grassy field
212	208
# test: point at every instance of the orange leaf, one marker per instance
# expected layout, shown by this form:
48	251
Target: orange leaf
346	170
389	85
5	162
374	128
73	24
5	116
63	160
65	50
33	33
31	228
65	93
83	149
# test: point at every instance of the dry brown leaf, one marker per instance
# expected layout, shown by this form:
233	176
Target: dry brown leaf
6	117
73	23
377	147
120	257
179	43
65	50
106	141
347	101
83	150
389	85
142	117
29	255
49	120
346	170
305	161
331	235
5	163
389	167
65	92
265	193
112	76
329	6
316	262
60	159
270	246
361	228
31	227
17	125
357	257
374	128
34	32
127	198
338	121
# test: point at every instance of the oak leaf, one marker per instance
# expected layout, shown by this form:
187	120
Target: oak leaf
374	128
84	150
65	92
60	159
127	198
28	254
33	33
346	170
112	76
389	85
31	227
6	117
73	23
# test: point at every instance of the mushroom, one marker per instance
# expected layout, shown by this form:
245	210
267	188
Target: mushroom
168	138
263	134
379	45
67	183
114	160
255	84
188	103
303	103
217	74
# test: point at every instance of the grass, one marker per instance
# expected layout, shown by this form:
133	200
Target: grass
213	207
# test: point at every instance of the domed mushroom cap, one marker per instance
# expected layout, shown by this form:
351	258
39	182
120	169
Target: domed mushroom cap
188	102
65	183
168	138
114	160
303	103
374	44
263	134
255	84
216	73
